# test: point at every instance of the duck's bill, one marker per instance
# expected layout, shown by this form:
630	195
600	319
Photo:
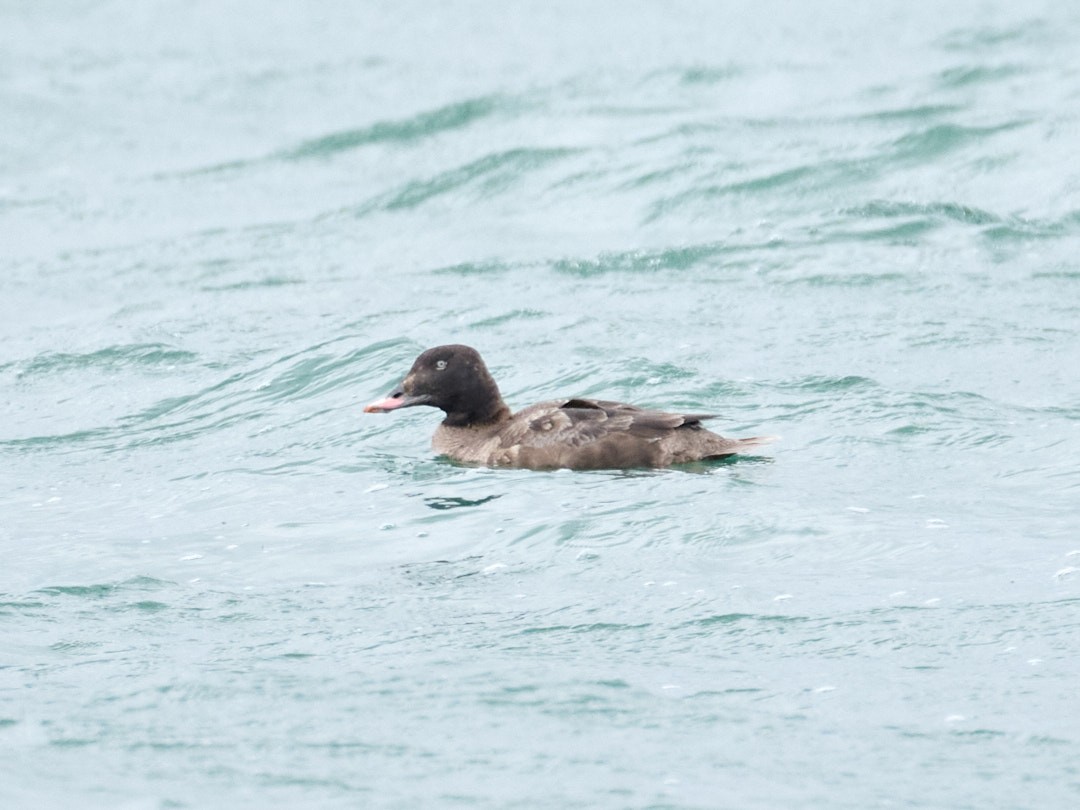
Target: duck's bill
398	399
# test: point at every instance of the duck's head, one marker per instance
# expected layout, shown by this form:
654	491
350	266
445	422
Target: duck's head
451	378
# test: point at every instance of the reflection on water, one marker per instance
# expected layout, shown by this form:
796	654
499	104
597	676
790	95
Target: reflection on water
456	503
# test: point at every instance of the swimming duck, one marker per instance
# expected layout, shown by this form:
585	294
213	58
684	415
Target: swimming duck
579	434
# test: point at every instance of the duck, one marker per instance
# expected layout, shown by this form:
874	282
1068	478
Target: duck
578	433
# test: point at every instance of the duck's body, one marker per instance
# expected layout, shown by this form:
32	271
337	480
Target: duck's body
586	434
579	434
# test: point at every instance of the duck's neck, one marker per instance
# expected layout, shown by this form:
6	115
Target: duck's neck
479	404
490	413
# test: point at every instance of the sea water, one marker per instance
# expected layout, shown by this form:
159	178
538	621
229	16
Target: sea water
226	226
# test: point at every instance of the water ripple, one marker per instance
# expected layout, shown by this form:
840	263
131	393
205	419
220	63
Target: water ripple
978	74
639	261
954	212
111	358
240	397
486	176
941	139
407	130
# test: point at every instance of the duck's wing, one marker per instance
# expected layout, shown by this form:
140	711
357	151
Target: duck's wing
590	433
630	417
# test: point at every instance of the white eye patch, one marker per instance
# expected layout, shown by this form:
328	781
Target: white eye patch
440	365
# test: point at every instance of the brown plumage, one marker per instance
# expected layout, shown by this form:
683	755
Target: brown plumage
580	434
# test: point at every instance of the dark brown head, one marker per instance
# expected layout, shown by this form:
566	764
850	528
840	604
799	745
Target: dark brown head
455	380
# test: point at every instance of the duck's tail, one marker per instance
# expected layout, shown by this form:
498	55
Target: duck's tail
744	445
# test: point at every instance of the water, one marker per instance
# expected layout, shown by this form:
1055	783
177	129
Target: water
226	227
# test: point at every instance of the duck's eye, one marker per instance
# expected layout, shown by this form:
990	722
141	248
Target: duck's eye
440	365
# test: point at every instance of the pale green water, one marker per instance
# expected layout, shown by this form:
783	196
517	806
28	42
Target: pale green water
224	227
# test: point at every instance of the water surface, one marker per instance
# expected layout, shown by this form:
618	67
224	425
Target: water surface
226	227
